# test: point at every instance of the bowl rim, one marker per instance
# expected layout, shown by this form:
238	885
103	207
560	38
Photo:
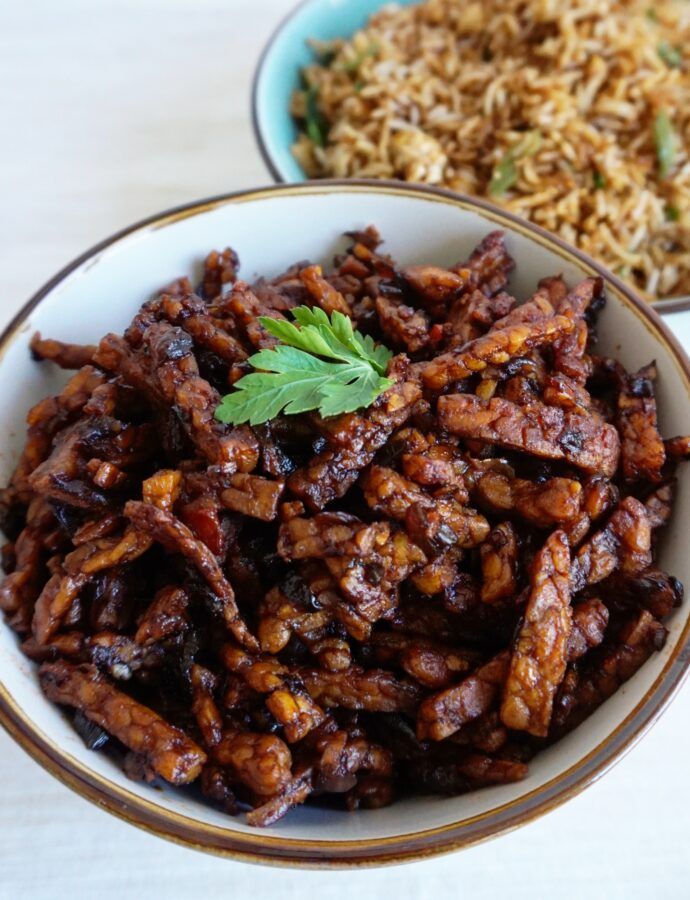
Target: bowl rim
261	846
665	305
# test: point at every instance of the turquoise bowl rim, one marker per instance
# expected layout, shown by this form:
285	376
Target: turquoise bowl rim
277	73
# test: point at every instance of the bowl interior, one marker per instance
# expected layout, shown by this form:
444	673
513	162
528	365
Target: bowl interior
278	73
103	293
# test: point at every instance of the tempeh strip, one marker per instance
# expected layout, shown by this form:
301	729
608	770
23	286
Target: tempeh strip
538	661
493	349
168	750
549	432
168	530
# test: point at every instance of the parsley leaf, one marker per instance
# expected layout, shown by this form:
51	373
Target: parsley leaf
323	364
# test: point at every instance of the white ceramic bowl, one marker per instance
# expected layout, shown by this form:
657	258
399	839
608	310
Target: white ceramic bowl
271	229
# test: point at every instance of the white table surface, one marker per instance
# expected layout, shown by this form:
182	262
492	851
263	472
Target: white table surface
113	110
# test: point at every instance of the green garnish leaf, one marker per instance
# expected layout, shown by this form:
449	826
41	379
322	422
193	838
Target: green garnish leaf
665	142
672	213
314	123
503	177
323	364
352	65
670	55
505	174
599	180
651	14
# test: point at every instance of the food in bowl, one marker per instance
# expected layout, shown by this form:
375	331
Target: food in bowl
415	592
572	114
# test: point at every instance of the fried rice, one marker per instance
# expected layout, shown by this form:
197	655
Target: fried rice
572	113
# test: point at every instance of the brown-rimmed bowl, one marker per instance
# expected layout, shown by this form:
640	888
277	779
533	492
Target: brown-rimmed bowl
272	228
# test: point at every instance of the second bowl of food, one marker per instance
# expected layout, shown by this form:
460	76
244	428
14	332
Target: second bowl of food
382	553
573	115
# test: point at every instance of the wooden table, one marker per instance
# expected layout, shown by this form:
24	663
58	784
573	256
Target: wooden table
115	110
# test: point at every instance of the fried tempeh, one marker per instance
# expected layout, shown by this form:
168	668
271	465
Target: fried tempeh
545	431
538	660
374	690
499	557
333	472
642	450
493	349
168	750
292	600
623	543
165	528
67	356
444	713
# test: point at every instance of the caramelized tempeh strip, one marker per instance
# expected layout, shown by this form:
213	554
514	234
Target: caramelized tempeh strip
642	449
489	264
322	292
330	534
582	440
293	794
435	522
616	662
555	501
590	620
253	496
470	773
208	716
499	558
444	713
333	472
165	616
659	505
402	326
493	349
281	616
195	400
435	288
432	664
63	587
678	448
624	543
220	268
262	762
67	356
538	661
165	528
20	589
374	690
168	750
191	314
47	418
287	698
569	353
371	584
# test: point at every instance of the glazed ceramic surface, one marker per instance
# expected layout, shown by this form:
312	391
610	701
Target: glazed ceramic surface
270	230
278	73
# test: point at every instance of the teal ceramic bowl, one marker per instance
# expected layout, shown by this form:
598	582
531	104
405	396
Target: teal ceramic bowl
277	74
